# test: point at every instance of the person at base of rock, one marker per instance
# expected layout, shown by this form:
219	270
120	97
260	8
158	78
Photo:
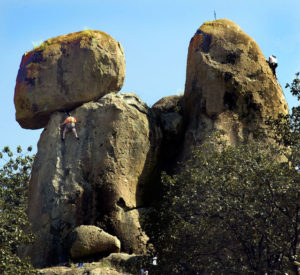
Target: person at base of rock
144	272
273	64
69	124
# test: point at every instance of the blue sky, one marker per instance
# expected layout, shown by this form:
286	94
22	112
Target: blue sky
154	34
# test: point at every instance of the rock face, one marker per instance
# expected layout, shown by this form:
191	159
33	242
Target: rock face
169	110
229	85
89	240
103	179
65	72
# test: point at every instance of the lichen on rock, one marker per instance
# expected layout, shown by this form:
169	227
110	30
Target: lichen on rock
229	85
65	72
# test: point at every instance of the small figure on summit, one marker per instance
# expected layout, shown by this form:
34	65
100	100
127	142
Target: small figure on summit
69	124
273	64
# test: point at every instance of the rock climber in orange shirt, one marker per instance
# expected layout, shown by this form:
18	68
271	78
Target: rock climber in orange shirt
69	124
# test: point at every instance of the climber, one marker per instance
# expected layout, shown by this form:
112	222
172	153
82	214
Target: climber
69	124
273	64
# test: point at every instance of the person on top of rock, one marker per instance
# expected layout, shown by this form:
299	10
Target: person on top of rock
273	64
69	124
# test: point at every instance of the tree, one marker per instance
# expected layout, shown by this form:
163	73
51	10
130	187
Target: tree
233	210
286	128
14	225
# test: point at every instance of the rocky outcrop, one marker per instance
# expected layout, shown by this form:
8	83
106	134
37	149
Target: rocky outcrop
90	240
229	85
65	72
110	177
103	179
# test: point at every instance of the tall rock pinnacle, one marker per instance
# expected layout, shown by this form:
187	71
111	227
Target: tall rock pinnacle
229	85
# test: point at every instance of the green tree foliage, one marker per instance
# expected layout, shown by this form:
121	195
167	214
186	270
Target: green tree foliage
233	210
286	128
14	180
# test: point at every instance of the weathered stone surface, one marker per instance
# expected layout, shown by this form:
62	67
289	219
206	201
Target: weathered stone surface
170	113
114	264
104	179
229	85
130	228
65	72
169	110
169	104
88	240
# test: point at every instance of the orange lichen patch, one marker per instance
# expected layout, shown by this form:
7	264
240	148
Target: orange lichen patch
72	38
220	27
197	40
217	24
52	76
26	58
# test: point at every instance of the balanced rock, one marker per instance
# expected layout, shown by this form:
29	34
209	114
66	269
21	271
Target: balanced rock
65	72
89	240
104	179
229	85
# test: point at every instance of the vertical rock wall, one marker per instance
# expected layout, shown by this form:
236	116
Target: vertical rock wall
99	180
229	85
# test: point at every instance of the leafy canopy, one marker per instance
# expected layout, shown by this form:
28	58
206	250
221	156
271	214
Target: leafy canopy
233	210
14	180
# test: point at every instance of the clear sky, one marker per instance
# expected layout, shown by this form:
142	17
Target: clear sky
154	34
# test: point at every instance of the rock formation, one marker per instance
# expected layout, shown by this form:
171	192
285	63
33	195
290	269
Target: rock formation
65	72
110	177
100	180
90	240
229	85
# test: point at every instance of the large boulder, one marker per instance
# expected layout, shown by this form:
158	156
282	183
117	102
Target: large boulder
104	179
90	240
229	85
65	72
